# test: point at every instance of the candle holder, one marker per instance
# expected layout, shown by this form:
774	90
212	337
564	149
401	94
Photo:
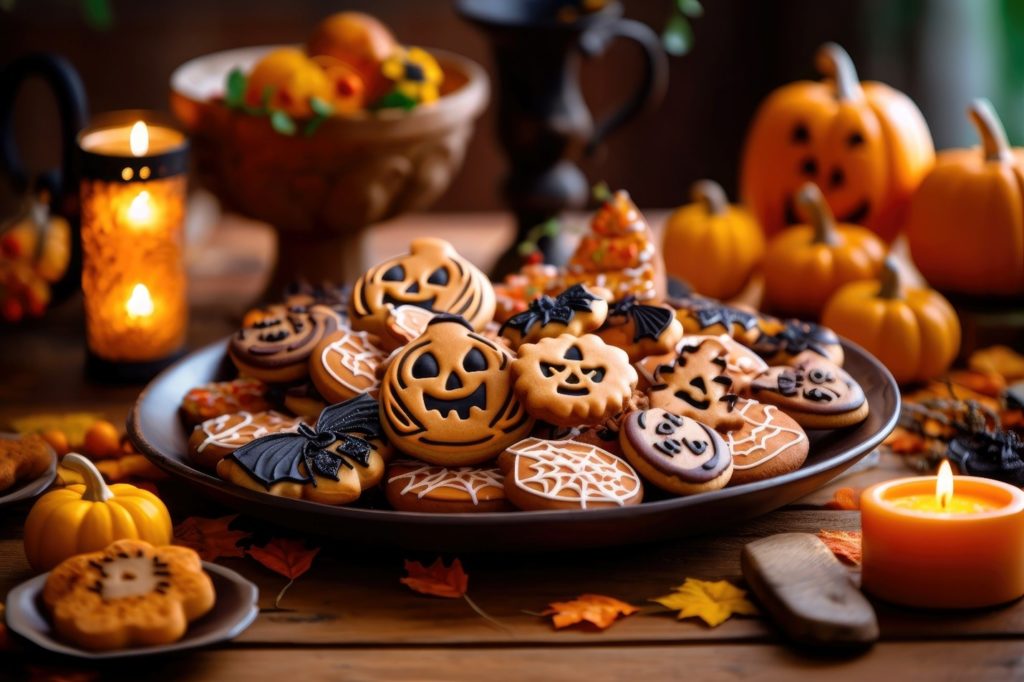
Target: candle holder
133	184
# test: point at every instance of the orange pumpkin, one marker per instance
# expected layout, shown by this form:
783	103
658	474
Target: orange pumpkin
804	265
914	331
966	226
865	144
711	245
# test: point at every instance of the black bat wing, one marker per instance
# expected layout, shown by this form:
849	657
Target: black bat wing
576	298
650	321
359	415
273	459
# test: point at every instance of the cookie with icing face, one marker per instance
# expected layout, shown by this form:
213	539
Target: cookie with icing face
795	337
742	365
767	443
677	454
344	365
415	486
696	385
276	346
447	397
128	595
216	438
432	276
814	391
575	311
243	394
641	329
542	475
573	380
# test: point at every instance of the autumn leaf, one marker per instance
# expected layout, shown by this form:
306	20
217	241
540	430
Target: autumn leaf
211	538
988	383
904	442
846	499
1003	360
595	609
712	602
845	544
287	557
437	580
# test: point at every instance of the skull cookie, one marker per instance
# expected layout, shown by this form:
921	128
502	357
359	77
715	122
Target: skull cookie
814	391
275	346
447	398
677	454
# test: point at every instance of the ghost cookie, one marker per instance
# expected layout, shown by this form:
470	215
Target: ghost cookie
344	365
696	385
216	438
641	329
814	392
794	338
419	487
575	311
766	444
276	346
541	475
130	594
677	454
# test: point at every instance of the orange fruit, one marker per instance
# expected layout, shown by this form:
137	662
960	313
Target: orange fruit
57	440
292	79
348	91
359	40
102	440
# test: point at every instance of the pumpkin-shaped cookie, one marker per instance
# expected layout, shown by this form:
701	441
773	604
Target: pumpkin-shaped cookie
274	344
447	397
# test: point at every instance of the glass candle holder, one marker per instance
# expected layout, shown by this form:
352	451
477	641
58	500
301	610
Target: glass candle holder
134	176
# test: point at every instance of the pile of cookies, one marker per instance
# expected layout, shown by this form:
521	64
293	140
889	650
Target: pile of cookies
578	401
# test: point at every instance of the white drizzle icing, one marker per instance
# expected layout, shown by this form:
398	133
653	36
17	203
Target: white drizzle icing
218	431
593	474
425	479
756	441
358	355
411	321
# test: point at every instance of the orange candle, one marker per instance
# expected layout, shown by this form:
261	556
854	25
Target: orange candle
943	541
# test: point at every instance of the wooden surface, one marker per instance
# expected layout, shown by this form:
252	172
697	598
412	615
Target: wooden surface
349	618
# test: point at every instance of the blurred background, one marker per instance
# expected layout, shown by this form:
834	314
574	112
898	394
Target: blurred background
941	52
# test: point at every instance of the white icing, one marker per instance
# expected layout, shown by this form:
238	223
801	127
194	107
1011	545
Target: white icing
221	432
411	321
756	440
130	577
356	354
593	474
425	479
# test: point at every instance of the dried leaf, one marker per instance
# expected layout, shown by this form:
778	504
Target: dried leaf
1002	360
845	544
712	602
211	538
285	556
596	609
991	384
438	580
904	442
846	499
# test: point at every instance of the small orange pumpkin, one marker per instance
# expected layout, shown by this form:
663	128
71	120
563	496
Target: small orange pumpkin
865	144
914	331
804	265
966	225
711	245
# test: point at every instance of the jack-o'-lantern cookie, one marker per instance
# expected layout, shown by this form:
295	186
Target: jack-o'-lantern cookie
432	276
419	487
742	365
695	385
677	454
814	392
567	474
575	311
344	365
795	337
767	443
641	329
277	346
216	438
447	397
331	463
573	380
244	394
700	315
127	595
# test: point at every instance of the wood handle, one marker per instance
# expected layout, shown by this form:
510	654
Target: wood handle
711	195
990	129
892	282
834	62
816	211
96	489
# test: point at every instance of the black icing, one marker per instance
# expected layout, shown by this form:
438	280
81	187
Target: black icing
546	309
649	321
796	337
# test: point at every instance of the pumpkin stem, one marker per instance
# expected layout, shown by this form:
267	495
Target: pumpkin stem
817	213
990	129
96	489
834	62
892	286
711	194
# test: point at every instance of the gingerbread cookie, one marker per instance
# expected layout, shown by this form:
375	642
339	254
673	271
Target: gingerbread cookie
129	594
677	454
767	443
331	463
742	365
542	475
432	276
277	346
814	392
706	316
575	311
216	438
244	394
418	487
696	385
573	380
303	400
403	324
641	329
344	365
793	338
23	459
447	397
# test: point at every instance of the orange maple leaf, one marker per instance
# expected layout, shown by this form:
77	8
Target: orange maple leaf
596	609
846	499
438	580
287	557
845	544
210	538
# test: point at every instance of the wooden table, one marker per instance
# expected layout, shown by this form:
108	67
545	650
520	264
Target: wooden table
349	618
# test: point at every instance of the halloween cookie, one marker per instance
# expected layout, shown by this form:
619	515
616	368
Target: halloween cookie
447	397
573	380
677	454
129	594
344	365
641	329
331	463
244	394
23	459
575	311
767	443
566	474
403	324
742	365
418	487
706	316
696	385
303	400
216	438
277	346
793	338
432	276
815	392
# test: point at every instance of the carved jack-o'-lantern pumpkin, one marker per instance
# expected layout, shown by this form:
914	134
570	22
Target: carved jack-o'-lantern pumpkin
432	276
447	397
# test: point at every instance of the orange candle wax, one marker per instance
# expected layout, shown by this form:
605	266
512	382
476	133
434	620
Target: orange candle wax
959	548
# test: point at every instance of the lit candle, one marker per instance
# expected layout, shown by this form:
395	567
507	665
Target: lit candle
943	541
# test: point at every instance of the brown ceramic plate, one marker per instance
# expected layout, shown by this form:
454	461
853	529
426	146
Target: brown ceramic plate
26	490
157	432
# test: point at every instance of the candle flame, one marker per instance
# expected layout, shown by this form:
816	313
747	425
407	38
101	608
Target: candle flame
944	485
140	211
140	303
138	139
